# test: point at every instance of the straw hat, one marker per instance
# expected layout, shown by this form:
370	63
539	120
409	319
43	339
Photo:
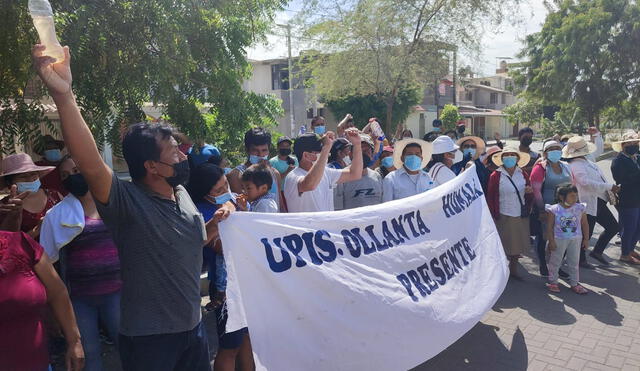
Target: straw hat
577	147
443	144
427	149
629	136
490	152
523	158
480	145
22	163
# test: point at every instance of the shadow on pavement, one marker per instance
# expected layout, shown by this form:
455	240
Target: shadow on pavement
465	354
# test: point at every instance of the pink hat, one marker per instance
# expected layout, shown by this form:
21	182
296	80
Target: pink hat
387	149
22	163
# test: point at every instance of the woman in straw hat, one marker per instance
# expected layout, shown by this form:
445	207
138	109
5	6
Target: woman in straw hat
510	197
593	189
626	172
546	176
23	178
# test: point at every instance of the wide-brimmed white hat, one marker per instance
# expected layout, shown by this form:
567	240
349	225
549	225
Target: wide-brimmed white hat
443	144
523	158
549	144
480	145
577	147
427	149
629	136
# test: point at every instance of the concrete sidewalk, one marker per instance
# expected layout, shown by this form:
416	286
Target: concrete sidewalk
530	328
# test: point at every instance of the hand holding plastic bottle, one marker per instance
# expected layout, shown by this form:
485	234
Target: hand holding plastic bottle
42	14
56	76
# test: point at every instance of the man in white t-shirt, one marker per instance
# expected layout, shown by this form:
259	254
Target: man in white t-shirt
310	186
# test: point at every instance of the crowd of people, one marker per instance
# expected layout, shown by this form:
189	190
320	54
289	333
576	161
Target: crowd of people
128	255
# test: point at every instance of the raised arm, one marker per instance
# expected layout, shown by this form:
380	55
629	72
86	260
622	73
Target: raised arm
353	172
342	126
75	132
315	174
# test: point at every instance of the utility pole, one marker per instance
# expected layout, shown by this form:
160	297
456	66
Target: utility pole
455	75
292	116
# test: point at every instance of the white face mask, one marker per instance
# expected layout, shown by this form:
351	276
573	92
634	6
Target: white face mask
347	160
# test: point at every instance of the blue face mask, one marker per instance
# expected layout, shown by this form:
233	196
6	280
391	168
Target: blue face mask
255	159
28	186
320	130
554	156
223	198
413	162
437	129
509	162
53	155
227	170
469	152
387	162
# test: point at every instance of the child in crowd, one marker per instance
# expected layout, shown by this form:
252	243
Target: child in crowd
567	227
256	181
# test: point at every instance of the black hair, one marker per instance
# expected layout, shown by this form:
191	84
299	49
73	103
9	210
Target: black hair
8	180
257	137
337	146
450	132
411	145
525	130
258	175
215	159
140	144
562	190
435	159
436	123
316	119
202	179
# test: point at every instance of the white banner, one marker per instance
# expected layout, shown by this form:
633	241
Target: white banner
384	287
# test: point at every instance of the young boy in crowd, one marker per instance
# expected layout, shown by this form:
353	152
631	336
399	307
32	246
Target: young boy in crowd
256	181
568	232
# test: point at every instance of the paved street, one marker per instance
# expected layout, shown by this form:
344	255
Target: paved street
532	329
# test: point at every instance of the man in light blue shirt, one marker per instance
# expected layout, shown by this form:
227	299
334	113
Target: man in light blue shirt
410	156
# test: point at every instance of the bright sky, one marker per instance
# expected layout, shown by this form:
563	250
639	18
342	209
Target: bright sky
503	42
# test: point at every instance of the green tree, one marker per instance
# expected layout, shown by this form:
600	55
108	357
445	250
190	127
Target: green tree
450	116
380	47
364	107
585	54
525	111
188	56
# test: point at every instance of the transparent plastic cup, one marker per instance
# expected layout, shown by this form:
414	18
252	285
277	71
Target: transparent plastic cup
47	33
376	129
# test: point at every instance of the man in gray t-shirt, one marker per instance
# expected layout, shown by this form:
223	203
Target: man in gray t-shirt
158	231
364	191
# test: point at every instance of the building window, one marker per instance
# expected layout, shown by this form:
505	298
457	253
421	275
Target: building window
493	99
310	113
279	77
321	112
469	96
504	98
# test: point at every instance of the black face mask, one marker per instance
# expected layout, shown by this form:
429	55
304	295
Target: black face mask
284	151
366	161
76	184
526	141
180	173
631	150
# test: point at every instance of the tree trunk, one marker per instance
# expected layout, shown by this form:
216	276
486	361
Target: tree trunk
597	115
389	118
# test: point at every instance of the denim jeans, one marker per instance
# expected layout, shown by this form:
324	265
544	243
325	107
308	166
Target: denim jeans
188	351
630	223
90	311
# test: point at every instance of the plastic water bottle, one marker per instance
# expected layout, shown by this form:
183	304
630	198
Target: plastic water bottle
42	15
303	129
377	130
